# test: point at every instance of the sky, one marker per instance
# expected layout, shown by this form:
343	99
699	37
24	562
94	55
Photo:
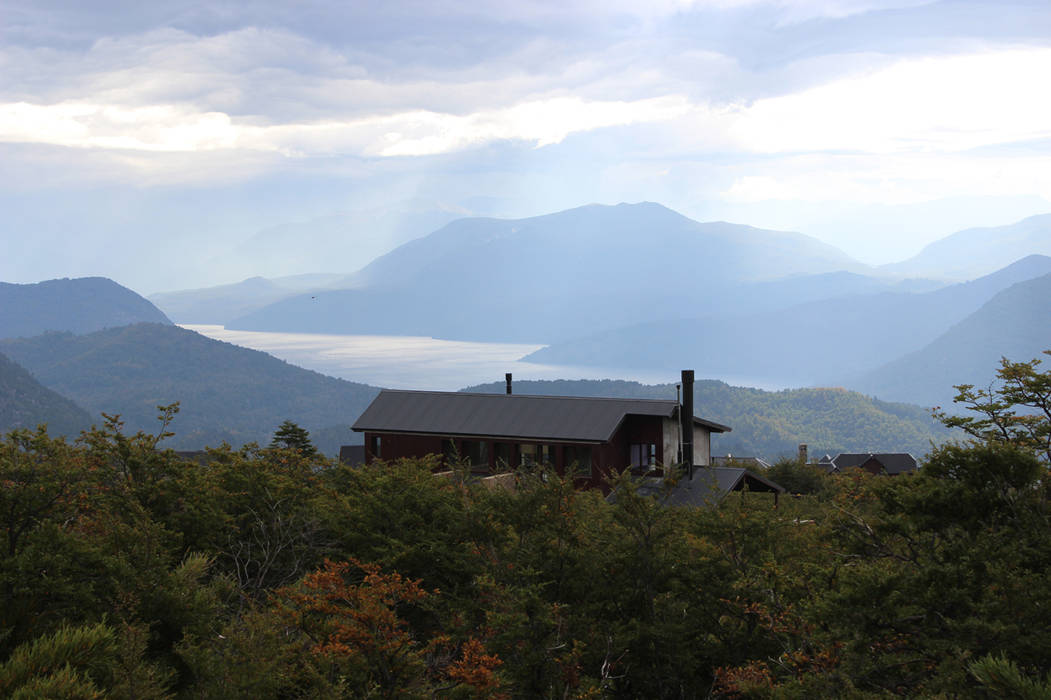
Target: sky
159	143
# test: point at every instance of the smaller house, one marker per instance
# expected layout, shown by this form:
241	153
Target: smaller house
885	463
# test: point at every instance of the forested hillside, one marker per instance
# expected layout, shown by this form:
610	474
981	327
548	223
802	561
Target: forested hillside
25	403
769	424
226	393
78	305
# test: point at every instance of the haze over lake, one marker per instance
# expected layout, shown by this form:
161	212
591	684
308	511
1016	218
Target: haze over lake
414	362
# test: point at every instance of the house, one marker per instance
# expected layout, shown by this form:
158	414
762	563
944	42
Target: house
888	463
587	438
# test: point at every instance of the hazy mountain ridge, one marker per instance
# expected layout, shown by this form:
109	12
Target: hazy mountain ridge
219	304
549	277
226	392
1016	323
26	403
771	424
80	305
978	251
818	342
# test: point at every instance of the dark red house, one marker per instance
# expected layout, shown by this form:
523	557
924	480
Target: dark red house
585	437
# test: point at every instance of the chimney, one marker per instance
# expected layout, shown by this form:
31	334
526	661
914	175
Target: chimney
802	454
686	420
507	378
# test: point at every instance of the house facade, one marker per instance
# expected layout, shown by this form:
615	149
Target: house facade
586	438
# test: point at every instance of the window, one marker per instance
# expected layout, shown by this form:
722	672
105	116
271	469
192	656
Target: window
534	455
503	453
374	446
644	455
577	460
476	453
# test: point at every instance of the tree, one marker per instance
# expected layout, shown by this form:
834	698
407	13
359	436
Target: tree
290	436
1016	411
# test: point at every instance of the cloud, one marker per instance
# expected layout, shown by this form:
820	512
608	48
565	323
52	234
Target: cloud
170	128
952	103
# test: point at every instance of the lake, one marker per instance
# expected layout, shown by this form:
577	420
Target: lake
413	362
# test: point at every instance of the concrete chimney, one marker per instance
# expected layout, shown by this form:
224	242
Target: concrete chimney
507	378
803	453
686	420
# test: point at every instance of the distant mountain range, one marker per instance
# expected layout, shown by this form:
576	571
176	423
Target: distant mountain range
26	403
772	424
227	393
978	251
217	305
1016	324
551	277
78	305
821	342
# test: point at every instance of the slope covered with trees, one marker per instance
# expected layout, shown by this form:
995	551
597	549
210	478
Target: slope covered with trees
26	403
226	393
79	305
265	573
769	424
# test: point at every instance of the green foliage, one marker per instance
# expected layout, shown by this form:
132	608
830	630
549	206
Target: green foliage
127	572
290	436
798	478
1015	411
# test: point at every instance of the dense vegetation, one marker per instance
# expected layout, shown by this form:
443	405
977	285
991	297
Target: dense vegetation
769	424
265	573
227	393
78	305
25	403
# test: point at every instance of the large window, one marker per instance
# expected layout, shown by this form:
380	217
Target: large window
643	455
531	455
504	455
577	460
476	452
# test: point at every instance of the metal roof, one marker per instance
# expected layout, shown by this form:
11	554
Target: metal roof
892	462
708	486
564	418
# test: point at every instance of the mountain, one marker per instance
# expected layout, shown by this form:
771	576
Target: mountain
1015	324
820	342
217	305
978	251
26	403
79	305
226	392
549	277
772	424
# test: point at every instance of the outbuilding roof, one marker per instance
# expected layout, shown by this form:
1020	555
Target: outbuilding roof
892	462
562	418
708	486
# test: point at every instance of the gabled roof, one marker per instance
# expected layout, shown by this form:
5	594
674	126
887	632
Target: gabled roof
893	462
709	486
564	418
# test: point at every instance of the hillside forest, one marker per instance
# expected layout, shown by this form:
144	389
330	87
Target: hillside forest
127	572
